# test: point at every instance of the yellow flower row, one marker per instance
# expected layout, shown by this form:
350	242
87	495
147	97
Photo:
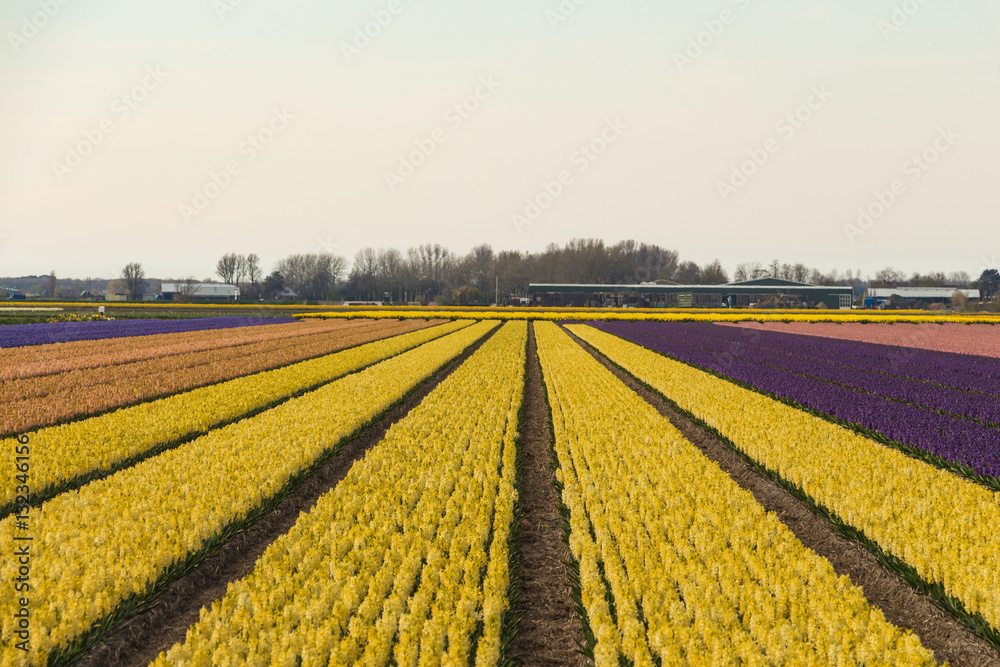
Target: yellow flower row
940	524
634	315
697	571
113	538
405	555
66	452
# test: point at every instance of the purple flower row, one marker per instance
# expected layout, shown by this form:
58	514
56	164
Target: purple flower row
947	399
20	335
953	439
964	371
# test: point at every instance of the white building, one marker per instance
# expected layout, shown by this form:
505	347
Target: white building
877	296
198	291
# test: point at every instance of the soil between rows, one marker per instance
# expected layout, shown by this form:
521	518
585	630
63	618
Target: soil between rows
549	629
902	605
141	639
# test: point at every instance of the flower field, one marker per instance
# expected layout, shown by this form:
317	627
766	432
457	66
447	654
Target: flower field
944	404
50	399
20	335
406	554
173	506
695	568
342	491
940	525
92	446
39	360
974	339
662	315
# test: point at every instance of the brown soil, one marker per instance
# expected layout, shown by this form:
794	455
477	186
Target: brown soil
902	605
141	639
549	628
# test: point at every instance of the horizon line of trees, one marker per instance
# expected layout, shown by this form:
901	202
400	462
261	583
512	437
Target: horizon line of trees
432	272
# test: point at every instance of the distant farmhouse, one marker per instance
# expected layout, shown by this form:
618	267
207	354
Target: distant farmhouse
199	292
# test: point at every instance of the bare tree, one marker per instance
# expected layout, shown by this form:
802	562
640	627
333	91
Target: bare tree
241	270
749	271
187	288
959	279
52	282
714	274
364	273
889	277
253	271
312	276
134	278
688	273
228	267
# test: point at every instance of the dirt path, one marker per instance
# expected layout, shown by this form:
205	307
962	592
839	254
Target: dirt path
902	606
549	628
141	639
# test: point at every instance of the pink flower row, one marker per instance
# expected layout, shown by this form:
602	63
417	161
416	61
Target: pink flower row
981	339
34	361
46	400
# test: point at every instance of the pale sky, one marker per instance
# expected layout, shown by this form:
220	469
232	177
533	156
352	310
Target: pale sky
184	85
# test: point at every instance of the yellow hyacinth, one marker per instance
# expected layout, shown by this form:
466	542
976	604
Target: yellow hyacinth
414	541
677	563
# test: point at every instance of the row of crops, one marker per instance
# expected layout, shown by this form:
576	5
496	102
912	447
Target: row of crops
413	557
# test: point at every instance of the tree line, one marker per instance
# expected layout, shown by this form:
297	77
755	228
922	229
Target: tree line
432	272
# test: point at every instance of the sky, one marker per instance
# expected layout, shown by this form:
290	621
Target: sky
847	134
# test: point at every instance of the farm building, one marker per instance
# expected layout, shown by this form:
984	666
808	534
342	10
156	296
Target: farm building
765	292
877	297
199	292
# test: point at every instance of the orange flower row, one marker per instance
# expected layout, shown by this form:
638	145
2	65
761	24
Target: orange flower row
36	360
52	399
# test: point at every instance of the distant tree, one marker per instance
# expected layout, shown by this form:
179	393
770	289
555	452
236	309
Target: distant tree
714	274
688	273
800	273
888	277
273	285
228	267
959	302
749	271
312	276
133	277
959	279
989	283
253	272
51	285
